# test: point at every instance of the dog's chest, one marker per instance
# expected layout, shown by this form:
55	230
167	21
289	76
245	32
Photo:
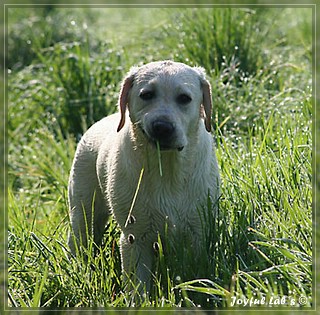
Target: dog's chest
156	201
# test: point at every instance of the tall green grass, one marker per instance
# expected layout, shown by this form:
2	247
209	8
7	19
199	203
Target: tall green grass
213	37
259	242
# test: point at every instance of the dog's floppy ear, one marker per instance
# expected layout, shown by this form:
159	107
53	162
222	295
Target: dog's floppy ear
207	100
124	97
207	103
207	97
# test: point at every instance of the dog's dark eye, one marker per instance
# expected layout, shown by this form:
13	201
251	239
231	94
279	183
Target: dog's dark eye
146	95
184	99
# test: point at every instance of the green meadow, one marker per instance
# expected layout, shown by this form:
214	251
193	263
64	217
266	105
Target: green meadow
65	67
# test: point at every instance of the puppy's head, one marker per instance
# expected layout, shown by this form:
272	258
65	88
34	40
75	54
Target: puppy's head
167	101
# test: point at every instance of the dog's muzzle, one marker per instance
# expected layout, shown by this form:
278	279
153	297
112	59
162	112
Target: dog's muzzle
163	132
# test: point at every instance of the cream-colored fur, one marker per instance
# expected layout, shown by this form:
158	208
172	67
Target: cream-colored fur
167	102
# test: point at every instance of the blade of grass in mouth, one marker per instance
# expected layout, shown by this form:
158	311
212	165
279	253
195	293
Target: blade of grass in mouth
159	158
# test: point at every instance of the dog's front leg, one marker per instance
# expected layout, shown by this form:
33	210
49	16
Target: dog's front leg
137	258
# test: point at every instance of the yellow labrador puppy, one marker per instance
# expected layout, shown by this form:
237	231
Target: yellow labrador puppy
164	107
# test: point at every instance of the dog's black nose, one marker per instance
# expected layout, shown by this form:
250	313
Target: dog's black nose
162	129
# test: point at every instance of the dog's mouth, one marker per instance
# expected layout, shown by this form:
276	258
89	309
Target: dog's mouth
164	147
159	142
